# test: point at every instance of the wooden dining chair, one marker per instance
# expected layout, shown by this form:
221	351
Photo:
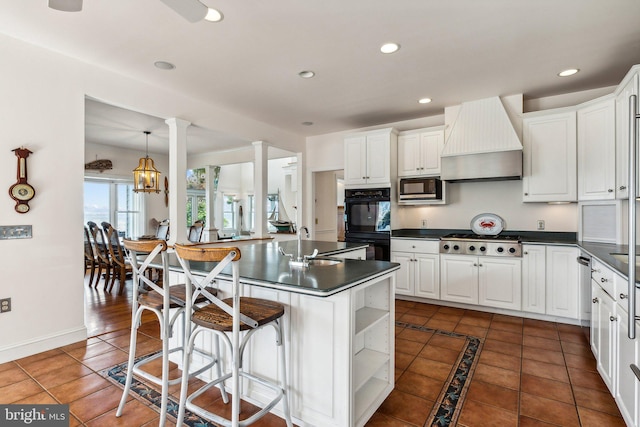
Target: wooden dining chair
90	259
162	232
195	232
121	266
102	254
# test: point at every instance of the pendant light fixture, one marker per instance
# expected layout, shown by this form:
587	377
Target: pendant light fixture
146	178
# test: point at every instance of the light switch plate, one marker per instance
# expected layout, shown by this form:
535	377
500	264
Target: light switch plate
15	232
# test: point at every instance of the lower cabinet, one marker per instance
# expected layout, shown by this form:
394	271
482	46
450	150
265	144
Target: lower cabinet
604	321
610	343
562	290
419	273
488	281
534	281
628	385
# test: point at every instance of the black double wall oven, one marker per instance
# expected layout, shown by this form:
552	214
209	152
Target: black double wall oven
368	220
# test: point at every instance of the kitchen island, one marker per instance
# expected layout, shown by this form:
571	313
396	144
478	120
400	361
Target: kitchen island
339	329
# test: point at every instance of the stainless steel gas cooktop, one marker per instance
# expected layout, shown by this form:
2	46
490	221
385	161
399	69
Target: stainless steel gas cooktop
482	245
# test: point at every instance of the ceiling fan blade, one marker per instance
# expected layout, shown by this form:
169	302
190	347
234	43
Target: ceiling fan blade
191	10
66	5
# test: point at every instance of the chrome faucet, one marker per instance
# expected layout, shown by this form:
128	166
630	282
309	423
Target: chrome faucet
300	261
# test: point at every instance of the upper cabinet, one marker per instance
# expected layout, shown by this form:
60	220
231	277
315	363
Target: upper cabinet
628	87
419	152
368	158
596	150
549	156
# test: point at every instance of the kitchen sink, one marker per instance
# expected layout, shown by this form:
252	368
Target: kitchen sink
625	258
324	261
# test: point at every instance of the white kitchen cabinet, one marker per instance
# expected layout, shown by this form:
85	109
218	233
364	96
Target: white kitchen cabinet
490	281
549	157
500	282
459	278
596	150
606	329
628	386
628	87
534	278
419	273
368	158
563	285
419	152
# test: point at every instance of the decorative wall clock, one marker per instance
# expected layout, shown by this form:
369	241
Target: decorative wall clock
21	191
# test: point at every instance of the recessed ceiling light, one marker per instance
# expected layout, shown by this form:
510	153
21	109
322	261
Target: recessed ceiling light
569	72
307	123
306	74
164	65
213	15
389	47
424	100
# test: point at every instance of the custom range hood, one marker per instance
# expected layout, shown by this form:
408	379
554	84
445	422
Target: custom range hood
482	145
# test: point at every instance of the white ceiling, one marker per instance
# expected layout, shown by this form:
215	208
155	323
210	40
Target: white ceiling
451	51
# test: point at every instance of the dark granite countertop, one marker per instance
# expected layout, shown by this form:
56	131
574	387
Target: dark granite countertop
262	265
550	237
604	251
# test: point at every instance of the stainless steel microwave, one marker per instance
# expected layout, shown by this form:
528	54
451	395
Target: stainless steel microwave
419	189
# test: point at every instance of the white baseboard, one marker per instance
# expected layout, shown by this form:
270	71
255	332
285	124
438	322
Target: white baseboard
40	344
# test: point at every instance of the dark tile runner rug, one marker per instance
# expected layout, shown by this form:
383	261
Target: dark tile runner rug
145	393
444	413
448	406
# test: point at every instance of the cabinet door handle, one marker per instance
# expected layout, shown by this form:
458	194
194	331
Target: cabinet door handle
479	265
622	187
623	296
526	253
610	190
526	194
475	265
603	280
364	177
595	300
613	319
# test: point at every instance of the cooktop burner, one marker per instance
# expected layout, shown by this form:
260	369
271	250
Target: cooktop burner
483	245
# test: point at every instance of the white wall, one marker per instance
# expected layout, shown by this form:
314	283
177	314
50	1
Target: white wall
467	199
42	106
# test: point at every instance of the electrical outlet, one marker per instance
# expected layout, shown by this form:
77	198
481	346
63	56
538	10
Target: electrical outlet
5	305
540	224
423	223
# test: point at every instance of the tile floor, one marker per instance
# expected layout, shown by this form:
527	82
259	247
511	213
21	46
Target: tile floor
530	373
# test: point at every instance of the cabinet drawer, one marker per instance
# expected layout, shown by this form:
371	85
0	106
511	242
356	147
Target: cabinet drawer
415	245
603	276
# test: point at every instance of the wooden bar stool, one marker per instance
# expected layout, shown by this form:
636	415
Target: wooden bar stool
158	300
224	317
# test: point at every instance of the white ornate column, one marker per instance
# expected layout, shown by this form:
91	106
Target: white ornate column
177	180
260	180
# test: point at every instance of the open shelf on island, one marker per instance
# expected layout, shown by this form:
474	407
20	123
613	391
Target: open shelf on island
367	317
367	394
367	363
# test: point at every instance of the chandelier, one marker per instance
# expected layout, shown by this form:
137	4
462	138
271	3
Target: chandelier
146	178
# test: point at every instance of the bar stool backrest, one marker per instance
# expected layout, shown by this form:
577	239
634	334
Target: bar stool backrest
222	257
150	249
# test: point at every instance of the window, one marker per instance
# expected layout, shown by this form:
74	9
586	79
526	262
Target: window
199	200
228	217
116	203
272	211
